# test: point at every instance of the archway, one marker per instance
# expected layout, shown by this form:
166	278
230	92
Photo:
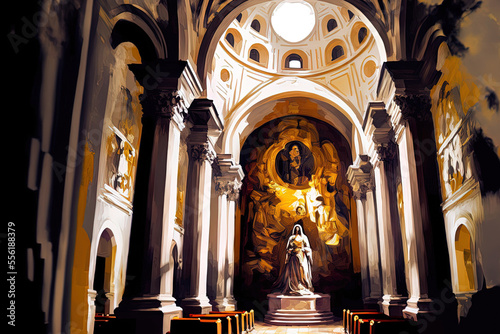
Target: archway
104	274
464	259
318	198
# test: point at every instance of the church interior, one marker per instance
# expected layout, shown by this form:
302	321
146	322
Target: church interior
251	166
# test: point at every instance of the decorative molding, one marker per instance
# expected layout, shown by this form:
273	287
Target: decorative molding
469	189
114	198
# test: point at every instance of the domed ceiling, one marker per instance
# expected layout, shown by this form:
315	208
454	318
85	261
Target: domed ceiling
317	41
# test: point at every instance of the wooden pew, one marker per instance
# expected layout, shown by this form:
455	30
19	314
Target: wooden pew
346	313
243	318
226	323
352	314
384	326
366	317
194	325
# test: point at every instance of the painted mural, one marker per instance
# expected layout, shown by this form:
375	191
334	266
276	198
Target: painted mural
295	169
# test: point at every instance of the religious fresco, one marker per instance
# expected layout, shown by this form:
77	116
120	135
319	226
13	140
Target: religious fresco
124	135
455	98
181	184
295	175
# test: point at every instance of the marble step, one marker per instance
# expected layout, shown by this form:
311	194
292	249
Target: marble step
296	318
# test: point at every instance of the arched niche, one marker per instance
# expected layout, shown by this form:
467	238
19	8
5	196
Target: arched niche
259	22
359	35
464	259
329	24
237	40
105	273
285	65
262	52
332	54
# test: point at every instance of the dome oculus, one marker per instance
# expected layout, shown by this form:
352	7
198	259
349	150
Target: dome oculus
293	20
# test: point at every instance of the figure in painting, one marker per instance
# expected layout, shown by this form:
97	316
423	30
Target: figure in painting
296	278
295	164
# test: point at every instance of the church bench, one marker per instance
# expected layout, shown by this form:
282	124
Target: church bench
246	319
226	321
346	313
194	325
384	326
352	314
361	322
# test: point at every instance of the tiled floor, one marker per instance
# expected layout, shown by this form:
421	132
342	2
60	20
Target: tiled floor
263	328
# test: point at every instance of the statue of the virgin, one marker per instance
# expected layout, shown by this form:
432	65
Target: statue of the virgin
296	278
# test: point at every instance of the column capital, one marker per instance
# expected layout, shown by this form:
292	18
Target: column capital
202	151
164	104
414	106
387	151
230	188
360	177
169	87
229	179
378	125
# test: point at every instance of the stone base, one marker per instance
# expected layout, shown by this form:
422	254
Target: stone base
416	308
196	306
393	305
298	310
372	303
149	314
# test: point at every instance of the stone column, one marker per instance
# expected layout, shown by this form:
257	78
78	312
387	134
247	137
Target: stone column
219	245
403	88
360	197
360	178
198	195
148	297
227	187
372	244
233	197
378	126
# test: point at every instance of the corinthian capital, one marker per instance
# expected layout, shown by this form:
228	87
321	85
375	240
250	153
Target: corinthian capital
387	151
202	152
416	106
230	188
164	104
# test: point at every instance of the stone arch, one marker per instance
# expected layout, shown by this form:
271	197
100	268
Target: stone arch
132	24
243	119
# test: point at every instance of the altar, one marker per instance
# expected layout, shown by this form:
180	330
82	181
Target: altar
298	310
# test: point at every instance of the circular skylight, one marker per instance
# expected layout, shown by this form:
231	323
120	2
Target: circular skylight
293	20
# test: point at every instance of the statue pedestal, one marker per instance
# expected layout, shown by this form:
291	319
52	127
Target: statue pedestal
298	310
